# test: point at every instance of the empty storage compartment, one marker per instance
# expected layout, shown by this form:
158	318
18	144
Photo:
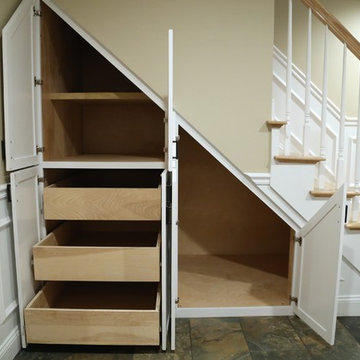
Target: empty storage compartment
99	251
94	314
104	195
91	111
233	250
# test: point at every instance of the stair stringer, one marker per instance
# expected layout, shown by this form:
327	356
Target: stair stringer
264	193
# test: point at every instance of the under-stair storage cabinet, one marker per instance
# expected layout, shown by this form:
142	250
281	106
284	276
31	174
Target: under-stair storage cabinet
113	239
85	148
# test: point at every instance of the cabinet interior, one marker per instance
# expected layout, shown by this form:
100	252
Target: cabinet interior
90	111
104	178
104	234
233	250
97	295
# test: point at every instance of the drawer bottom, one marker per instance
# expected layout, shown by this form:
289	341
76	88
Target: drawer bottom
94	314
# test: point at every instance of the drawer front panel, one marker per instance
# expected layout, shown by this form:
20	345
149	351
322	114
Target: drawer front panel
93	327
102	204
96	264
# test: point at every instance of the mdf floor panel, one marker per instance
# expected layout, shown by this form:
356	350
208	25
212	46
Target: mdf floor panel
233	281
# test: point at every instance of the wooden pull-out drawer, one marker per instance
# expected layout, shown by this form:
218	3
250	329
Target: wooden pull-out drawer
105	195
94	314
105	251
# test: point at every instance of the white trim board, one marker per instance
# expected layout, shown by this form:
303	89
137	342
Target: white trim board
349	305
234	311
11	345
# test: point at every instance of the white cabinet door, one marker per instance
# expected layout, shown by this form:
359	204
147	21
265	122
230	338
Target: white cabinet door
317	267
21	58
165	262
26	214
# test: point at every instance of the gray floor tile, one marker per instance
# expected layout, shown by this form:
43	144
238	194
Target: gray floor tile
271	334
276	355
345	347
218	339
352	324
183	346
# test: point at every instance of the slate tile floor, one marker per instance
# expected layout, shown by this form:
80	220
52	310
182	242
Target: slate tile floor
256	338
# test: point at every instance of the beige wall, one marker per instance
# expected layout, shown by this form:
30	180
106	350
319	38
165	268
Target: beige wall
7	7
223	61
347	11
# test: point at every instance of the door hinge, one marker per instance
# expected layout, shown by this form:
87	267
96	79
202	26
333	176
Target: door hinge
40	149
41	179
177	300
36	12
38	82
8	192
298	240
293	299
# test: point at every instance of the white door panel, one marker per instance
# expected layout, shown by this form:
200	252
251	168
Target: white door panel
165	262
319	267
21	39
26	214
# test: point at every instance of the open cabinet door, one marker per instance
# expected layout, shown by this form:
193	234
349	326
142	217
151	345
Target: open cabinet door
26	214
165	261
21	62
317	267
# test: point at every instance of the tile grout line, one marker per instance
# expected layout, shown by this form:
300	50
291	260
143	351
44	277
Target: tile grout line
300	338
243	332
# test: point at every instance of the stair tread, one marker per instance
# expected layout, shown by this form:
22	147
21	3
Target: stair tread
353	226
329	193
299	159
276	123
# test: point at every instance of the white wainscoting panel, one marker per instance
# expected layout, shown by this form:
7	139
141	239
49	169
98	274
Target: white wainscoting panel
9	320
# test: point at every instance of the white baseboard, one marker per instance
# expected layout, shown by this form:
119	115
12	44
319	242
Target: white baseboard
349	305
11	346
234	311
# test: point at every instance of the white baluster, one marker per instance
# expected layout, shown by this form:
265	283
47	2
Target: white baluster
321	173
355	213
340	169
287	141
306	134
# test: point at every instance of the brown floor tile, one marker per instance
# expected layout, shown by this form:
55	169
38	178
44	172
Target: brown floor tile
218	339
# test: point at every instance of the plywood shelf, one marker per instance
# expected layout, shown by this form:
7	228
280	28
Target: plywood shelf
106	161
233	281
100	97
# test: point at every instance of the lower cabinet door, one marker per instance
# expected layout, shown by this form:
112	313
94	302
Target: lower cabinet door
94	314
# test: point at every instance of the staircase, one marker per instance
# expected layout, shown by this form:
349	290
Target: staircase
315	145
